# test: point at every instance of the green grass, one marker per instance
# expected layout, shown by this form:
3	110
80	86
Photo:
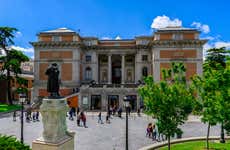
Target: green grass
199	145
7	108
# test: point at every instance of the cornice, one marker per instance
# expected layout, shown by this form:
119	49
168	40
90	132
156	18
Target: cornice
55	44
178	43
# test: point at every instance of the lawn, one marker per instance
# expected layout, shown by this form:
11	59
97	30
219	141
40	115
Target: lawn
199	145
7	108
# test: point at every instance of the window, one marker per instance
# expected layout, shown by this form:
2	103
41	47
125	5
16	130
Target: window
129	59
56	38
129	75
104	75
144	57
88	58
177	36
145	72
88	73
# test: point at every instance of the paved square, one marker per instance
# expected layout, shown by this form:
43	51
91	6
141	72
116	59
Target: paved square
103	136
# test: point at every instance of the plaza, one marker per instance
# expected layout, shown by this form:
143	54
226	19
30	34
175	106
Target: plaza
104	136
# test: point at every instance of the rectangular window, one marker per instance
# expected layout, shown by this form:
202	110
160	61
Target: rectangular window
56	38
88	58
177	36
144	57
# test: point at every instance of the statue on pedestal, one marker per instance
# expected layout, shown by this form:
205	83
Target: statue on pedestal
53	80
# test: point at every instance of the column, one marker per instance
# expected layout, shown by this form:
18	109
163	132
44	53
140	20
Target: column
109	69
123	69
136	70
96	68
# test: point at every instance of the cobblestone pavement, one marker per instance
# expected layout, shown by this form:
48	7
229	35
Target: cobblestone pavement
104	136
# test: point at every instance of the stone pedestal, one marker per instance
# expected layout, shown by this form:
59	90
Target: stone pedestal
55	135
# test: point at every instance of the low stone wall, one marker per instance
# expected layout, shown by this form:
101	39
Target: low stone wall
165	143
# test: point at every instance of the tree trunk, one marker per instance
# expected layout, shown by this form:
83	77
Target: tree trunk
222	140
168	142
9	100
207	142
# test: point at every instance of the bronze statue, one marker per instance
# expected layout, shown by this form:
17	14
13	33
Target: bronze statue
53	80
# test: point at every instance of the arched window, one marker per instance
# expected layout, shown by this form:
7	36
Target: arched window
145	71
88	73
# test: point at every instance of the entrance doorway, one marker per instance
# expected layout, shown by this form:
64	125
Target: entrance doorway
95	102
116	69
133	102
113	101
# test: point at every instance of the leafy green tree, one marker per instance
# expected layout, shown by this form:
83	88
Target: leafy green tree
12	62
216	59
168	100
6	39
213	90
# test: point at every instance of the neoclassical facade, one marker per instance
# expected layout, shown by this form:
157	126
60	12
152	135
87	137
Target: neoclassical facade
105	71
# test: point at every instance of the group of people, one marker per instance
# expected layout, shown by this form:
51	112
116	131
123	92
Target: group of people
29	115
81	117
151	131
107	120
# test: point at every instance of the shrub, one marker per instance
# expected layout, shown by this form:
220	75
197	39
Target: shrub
11	143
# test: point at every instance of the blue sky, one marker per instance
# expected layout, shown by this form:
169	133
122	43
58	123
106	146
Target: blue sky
112	18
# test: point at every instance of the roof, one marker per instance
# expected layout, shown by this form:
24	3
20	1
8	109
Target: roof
59	30
176	28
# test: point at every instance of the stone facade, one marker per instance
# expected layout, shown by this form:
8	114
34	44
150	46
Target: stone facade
107	70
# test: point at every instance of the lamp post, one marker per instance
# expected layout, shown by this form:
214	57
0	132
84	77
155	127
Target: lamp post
126	103
22	98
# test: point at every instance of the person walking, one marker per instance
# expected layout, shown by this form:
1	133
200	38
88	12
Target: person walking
78	119
33	116
14	115
99	118
107	118
71	114
154	133
37	115
84	119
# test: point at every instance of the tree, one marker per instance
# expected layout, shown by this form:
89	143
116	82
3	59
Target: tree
213	90
168	100
6	39
12	62
217	57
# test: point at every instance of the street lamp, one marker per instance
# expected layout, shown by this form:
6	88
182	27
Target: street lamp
22	98
126	103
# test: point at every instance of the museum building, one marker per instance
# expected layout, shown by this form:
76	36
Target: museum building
101	72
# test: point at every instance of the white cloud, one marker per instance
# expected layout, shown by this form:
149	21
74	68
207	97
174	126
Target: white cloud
32	57
18	34
106	38
203	27
165	21
222	44
118	38
28	50
209	38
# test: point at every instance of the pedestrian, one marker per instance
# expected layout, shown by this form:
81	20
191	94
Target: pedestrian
84	119
149	130
14	115
154	134
78	119
34	116
99	118
78	110
71	114
138	112
119	112
37	115
74	111
107	118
